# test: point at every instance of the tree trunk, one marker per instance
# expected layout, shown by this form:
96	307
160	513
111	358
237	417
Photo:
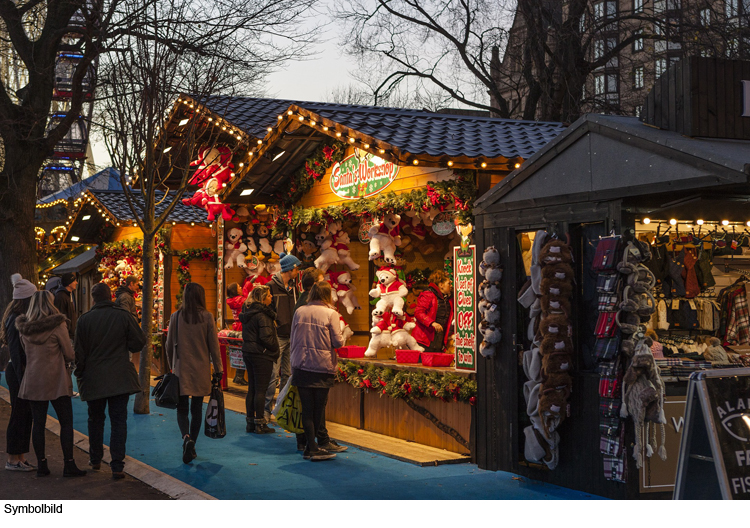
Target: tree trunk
141	405
17	208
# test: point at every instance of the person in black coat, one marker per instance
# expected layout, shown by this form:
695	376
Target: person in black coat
64	301
260	350
104	338
18	434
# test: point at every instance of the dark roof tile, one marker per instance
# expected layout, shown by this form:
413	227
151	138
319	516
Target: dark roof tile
117	204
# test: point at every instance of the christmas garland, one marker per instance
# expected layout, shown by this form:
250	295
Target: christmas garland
183	261
313	170
418	277
121	248
408	385
458	194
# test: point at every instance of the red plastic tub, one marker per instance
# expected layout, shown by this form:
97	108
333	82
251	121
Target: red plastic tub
407	356
351	352
436	359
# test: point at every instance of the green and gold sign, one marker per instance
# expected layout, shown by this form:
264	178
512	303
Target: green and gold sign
361	175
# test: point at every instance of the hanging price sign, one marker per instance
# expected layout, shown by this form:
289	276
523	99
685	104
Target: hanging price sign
464	286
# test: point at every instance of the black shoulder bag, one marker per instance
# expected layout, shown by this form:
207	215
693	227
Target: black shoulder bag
167	391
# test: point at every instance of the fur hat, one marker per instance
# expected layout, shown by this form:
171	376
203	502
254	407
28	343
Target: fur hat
629	323
486	349
555	305
556	288
556	324
491	315
491	256
554	363
493	273
559	271
555	251
553	344
553	406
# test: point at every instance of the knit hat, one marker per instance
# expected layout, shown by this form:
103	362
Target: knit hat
68	279
288	262
52	284
100	292
22	289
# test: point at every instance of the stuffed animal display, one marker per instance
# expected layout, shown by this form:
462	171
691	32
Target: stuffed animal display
235	249
385	237
343	290
390	292
548	364
214	170
489	295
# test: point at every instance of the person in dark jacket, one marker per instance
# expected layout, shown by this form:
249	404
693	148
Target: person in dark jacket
284	299
105	337
125	295
260	350
64	301
434	313
18	434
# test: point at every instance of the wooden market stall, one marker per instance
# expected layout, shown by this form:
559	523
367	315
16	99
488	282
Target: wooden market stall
616	175
316	169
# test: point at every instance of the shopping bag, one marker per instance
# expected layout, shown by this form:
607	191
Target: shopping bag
290	415
167	391
280	398
215	424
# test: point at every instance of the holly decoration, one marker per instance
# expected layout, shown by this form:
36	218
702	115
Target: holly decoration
312	171
458	194
417	276
406	384
183	264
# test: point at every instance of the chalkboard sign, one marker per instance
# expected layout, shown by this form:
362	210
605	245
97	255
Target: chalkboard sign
714	460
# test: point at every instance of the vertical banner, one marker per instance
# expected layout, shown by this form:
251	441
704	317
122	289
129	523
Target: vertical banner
160	293
464	278
220	273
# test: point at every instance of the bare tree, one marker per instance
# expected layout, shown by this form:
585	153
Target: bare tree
151	132
251	37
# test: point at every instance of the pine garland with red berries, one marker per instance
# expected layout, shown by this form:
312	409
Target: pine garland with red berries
405	384
313	170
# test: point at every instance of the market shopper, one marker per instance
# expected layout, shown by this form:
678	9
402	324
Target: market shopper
260	351
315	336
125	295
236	300
46	341
18	434
309	278
64	301
284	298
105	337
434	313
192	345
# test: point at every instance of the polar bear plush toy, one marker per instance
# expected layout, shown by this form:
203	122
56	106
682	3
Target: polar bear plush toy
328	254
385	237
401	338
235	249
390	292
341	245
346	331
342	284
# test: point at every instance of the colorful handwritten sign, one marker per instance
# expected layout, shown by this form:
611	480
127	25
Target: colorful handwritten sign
465	301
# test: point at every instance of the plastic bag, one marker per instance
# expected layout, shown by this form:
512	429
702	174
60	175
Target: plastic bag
290	415
280	398
215	424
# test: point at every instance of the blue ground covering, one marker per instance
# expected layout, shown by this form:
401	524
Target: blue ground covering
249	466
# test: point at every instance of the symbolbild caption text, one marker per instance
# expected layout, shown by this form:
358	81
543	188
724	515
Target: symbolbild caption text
33	509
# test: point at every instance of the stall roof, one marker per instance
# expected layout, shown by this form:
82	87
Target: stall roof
413	131
105	180
607	157
77	264
117	204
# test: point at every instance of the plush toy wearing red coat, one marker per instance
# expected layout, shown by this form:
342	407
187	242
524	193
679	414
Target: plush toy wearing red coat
425	314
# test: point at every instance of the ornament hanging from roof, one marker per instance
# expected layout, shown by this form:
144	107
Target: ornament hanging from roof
215	169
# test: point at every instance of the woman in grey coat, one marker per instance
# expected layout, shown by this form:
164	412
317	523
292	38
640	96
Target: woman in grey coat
192	345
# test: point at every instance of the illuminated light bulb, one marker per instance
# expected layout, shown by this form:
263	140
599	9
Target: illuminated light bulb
312	123
280	117
450	164
249	154
415	162
382	151
301	118
518	165
699	222
231	174
673	222
325	128
192	223
367	145
260	142
210	119
484	165
338	134
725	222
174	223
351	140
270	129
647	221
289	112
223	128
241	165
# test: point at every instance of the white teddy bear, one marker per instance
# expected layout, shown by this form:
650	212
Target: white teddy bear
341	242
401	338
122	265
385	237
377	341
346	331
344	290
391	292
328	254
235	249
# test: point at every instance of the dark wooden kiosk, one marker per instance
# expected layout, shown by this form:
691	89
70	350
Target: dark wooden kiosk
607	173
